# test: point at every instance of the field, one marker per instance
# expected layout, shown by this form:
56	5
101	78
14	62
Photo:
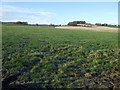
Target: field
92	28
43	57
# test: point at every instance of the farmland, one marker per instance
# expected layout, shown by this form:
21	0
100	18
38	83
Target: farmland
92	28
42	57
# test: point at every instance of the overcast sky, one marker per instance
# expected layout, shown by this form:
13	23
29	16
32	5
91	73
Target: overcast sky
60	12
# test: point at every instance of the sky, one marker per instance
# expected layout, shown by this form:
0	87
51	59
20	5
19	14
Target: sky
60	12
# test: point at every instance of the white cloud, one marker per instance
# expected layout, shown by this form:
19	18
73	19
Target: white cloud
11	13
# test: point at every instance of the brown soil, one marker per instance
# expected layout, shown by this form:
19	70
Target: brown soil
93	28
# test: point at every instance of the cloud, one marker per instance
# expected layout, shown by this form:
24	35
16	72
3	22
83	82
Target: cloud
11	13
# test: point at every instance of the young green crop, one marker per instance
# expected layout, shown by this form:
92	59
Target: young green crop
59	58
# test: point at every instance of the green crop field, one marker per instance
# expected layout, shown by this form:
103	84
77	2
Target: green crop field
43	57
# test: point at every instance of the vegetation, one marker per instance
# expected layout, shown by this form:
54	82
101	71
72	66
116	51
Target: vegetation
43	57
74	23
105	24
21	23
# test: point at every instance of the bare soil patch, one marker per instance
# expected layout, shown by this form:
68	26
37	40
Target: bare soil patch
93	28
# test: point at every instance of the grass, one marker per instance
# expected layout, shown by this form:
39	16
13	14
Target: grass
60	58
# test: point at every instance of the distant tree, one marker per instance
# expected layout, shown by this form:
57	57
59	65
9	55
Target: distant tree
74	23
98	24
25	23
104	24
113	25
36	24
18	22
22	23
51	25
